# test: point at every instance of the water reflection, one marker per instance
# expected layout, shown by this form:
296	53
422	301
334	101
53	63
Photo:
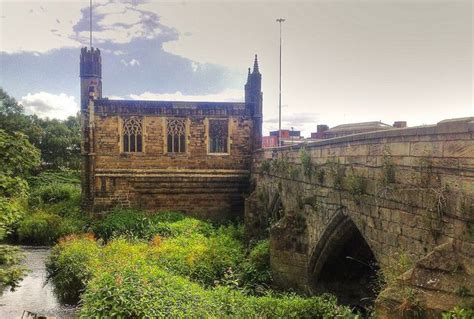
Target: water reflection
33	295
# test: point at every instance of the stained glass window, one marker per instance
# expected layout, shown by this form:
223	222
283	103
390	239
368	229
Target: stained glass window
132	135
176	136
218	136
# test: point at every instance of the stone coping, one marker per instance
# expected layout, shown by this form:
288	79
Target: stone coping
449	126
167	104
165	171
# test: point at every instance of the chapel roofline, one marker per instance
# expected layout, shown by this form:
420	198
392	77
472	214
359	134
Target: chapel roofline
159	103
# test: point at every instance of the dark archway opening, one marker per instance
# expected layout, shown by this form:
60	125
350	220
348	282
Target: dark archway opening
347	267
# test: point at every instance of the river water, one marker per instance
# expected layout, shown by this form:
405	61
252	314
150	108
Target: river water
34	294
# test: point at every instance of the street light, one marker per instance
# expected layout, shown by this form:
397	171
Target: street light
292	134
280	20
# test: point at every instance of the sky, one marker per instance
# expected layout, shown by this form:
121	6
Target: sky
342	61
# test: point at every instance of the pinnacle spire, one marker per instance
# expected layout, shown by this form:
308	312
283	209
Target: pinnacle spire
255	65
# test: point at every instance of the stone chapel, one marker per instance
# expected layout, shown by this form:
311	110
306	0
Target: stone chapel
193	157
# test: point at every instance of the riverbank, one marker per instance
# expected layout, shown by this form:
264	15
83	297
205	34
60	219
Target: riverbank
33	293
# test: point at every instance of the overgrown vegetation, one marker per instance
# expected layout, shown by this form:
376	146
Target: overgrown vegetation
389	277
356	186
11	271
33	210
459	313
18	157
306	162
174	266
388	169
337	173
54	209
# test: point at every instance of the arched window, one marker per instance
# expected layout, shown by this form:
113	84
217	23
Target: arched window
176	135
218	136
132	135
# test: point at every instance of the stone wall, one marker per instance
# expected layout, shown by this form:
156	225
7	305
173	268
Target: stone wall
404	190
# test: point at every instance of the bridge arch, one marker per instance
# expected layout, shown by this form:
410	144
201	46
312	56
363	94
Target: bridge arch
342	263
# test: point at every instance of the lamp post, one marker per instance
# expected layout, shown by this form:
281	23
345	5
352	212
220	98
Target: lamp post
280	20
292	134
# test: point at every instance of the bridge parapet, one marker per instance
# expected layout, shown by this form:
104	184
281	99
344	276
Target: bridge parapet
376	195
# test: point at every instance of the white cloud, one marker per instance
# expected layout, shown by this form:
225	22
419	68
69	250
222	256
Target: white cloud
349	61
224	96
111	8
27	26
132	62
44	104
194	66
35	26
126	18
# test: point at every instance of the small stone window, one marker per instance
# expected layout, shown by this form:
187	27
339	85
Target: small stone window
218	136
132	135
176	135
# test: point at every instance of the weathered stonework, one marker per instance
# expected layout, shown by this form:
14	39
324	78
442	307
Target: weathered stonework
196	181
408	190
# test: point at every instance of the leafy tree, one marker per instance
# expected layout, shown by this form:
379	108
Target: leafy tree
17	158
13	119
59	141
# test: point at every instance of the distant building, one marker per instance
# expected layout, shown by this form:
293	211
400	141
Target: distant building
324	132
288	137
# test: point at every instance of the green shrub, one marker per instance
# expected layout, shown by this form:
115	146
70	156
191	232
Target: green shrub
64	176
356	186
265	166
39	228
203	259
256	275
42	228
306	162
69	226
186	226
53	193
71	265
459	313
124	280
143	291
11	212
11	272
142	225
139	290
120	223
233	304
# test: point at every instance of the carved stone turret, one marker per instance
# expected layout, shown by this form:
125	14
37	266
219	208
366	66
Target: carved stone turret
91	75
254	101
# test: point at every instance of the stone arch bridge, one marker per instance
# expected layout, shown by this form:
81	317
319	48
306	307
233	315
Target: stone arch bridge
338	210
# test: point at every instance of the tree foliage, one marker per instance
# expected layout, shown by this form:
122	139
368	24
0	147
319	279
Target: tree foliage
17	158
58	140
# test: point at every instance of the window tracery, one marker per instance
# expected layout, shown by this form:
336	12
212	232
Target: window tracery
176	135
132	135
218	136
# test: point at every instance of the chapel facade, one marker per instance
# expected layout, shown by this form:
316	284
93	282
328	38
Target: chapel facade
193	157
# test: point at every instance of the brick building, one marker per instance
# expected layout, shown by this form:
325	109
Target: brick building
288	137
167	155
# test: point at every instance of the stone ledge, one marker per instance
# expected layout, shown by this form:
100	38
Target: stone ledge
170	171
459	125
